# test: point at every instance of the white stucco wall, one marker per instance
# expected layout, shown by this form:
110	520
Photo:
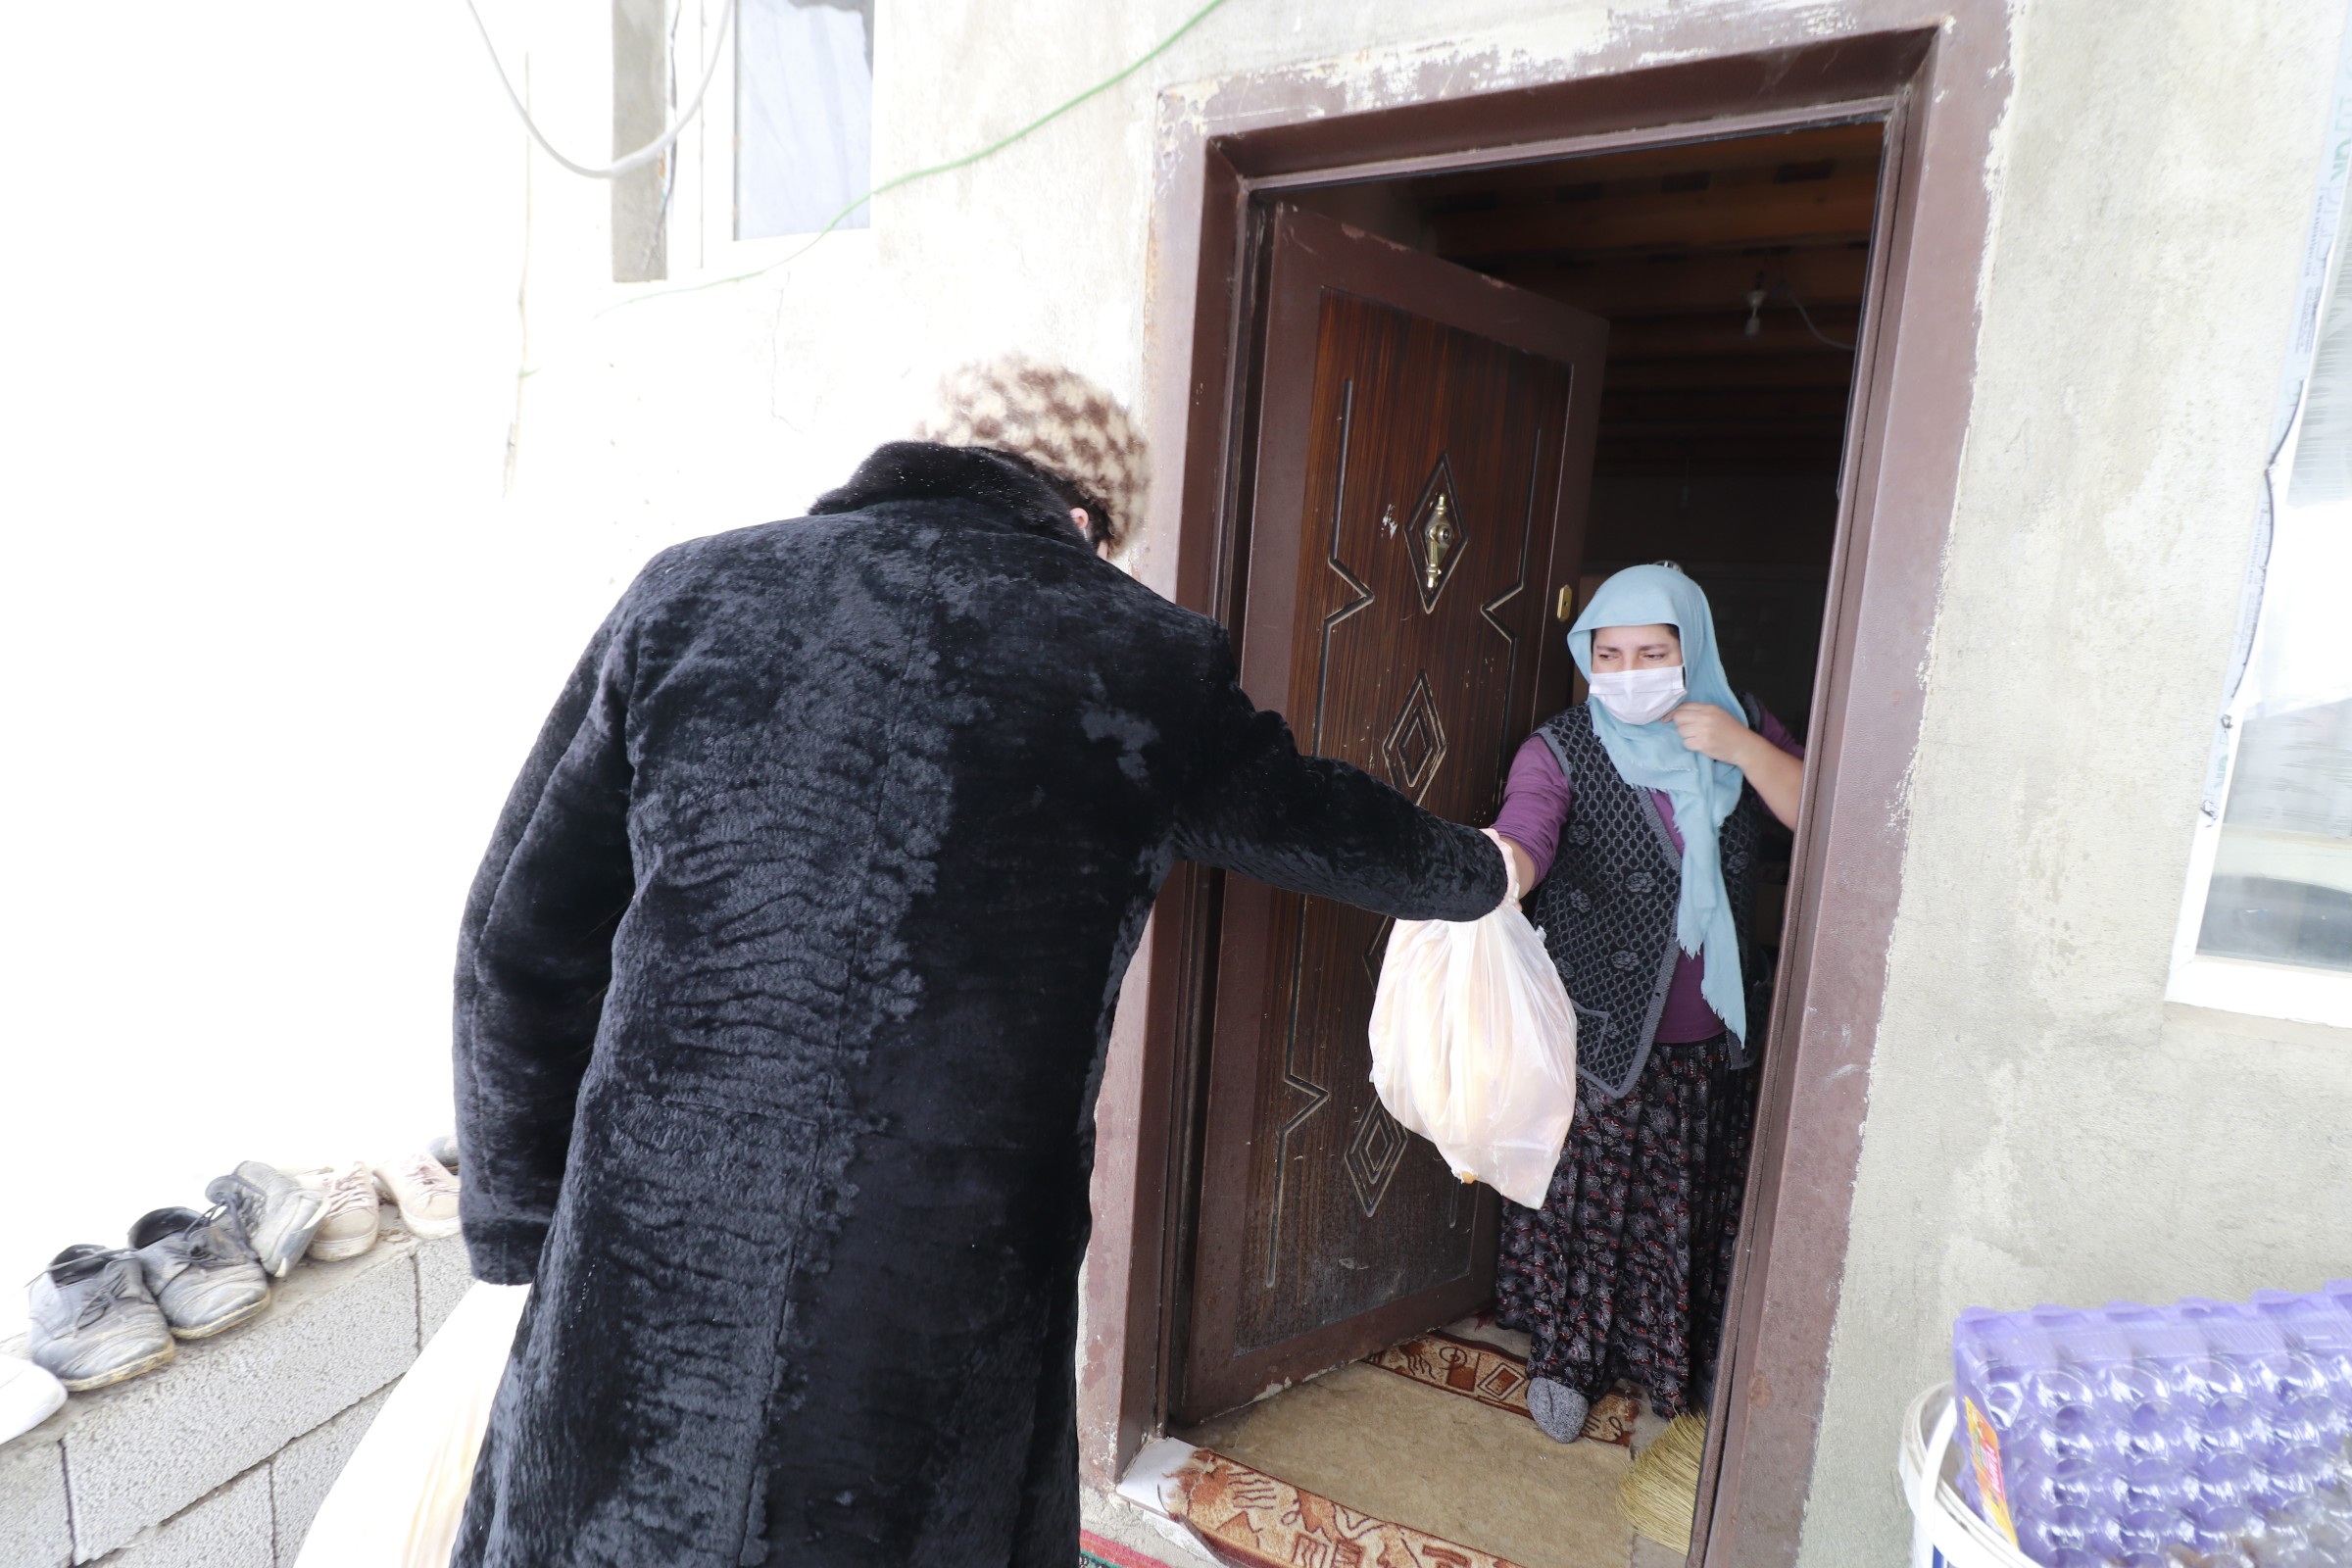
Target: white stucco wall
2042	1126
283	629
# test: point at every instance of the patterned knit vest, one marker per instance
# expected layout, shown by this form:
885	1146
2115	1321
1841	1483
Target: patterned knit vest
1607	906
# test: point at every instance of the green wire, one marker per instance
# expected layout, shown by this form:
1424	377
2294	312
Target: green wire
952	164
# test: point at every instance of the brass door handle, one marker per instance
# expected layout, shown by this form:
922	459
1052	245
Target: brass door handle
1565	606
1437	536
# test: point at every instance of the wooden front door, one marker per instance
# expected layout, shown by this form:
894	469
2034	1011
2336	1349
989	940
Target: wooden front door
1423	452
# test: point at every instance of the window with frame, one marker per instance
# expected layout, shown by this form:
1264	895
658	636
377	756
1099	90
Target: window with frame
2267	927
783	143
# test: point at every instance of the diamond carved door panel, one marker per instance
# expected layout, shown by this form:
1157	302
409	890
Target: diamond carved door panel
1434	535
1424	447
1415	748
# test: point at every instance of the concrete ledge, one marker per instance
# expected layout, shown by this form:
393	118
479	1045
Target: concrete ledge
302	1472
229	1529
167	1468
336	1333
442	1278
34	1529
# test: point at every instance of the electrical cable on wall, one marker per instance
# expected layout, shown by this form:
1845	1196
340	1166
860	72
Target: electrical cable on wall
643	155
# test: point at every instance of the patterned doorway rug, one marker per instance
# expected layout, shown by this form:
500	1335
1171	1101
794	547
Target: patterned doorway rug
1248	1519
1498	1379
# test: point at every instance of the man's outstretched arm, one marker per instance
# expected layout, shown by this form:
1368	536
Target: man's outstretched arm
1324	827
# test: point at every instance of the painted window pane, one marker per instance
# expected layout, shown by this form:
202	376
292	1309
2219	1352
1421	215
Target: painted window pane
803	114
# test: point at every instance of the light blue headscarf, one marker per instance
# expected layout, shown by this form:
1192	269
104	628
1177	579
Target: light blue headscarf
1652	757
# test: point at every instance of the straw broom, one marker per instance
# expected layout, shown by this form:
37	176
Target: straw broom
1661	1492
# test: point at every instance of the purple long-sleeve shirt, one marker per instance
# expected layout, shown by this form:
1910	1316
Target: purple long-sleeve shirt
1535	798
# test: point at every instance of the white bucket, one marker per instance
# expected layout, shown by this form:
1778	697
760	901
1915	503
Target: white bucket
1943	1528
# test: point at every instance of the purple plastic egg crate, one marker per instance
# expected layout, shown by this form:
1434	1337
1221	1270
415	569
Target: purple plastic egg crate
2202	1435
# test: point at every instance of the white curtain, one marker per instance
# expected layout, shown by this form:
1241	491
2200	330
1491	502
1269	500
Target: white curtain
803	116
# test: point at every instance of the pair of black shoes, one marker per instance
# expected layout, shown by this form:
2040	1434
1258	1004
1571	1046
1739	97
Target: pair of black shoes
103	1314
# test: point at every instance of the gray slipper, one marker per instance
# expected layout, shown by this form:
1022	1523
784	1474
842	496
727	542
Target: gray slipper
1557	1408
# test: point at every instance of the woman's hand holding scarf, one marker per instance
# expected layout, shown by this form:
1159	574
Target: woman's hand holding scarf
1711	732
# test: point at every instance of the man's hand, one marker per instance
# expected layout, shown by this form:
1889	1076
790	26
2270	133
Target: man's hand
1711	732
1518	864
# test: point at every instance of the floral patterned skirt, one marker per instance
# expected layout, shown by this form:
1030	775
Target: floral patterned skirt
1622	1273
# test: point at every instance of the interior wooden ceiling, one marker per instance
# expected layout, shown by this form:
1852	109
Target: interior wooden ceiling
1667	244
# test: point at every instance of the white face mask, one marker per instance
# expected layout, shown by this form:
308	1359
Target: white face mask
1640	696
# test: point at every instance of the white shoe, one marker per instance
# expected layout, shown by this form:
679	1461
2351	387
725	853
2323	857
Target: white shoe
29	1397
353	1216
425	1193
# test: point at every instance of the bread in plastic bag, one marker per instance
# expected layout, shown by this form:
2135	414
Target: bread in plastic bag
1474	1047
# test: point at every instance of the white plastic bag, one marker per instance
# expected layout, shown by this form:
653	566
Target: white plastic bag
1474	1047
402	1494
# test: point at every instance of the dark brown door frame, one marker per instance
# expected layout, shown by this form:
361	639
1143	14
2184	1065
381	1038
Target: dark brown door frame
1939	75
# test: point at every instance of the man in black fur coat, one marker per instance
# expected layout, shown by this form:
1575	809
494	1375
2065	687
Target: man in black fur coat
782	995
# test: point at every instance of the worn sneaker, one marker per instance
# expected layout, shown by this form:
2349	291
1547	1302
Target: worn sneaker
353	1215
425	1193
94	1321
273	1213
445	1150
199	1270
28	1395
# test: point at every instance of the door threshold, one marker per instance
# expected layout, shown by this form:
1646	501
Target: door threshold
1425	1452
1151	1482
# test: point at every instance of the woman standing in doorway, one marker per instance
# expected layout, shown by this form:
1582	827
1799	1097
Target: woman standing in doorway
1637	816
